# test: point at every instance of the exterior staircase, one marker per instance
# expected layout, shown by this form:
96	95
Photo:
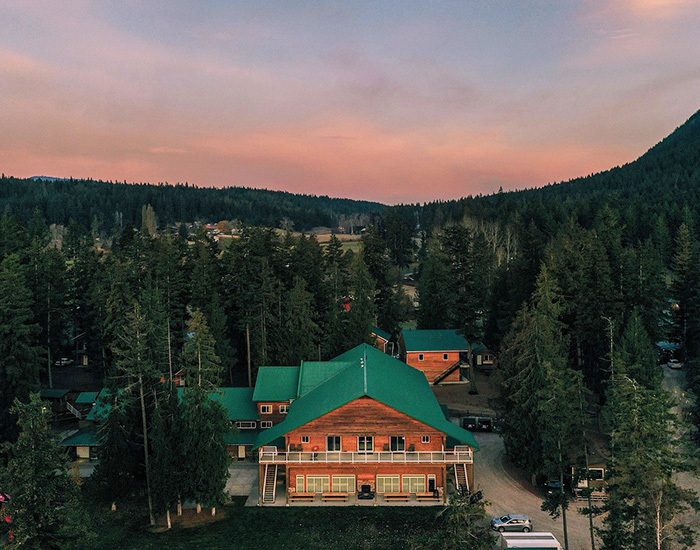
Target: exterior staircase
461	478
444	374
270	483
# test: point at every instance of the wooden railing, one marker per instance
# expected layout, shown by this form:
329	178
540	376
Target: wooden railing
456	456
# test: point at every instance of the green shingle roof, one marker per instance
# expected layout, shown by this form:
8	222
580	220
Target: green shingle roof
87	437
314	373
382	333
276	384
86	398
47	393
379	376
434	340
238	402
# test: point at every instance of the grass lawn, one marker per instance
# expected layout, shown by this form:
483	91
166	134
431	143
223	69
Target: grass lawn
239	527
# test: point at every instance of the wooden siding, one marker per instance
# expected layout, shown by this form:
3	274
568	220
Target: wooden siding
434	363
276	416
380	343
366	417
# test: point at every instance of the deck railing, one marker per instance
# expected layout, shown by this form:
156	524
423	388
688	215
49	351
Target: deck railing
456	456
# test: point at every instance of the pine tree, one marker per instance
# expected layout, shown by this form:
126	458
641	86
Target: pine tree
361	314
299	330
204	424
44	506
19	368
200	361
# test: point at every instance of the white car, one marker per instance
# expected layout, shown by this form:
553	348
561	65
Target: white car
674	364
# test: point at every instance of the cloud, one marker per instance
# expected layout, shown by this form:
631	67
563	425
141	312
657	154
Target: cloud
167	150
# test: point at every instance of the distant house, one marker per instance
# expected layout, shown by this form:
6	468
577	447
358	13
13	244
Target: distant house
381	339
484	358
439	353
363	422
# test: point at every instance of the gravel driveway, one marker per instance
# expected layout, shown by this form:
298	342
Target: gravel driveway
507	493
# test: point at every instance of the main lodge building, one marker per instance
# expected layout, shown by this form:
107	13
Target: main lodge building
363	421
326	430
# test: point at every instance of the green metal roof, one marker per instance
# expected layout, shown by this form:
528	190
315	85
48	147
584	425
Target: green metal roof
87	437
86	398
314	373
48	393
100	410
241	437
434	340
238	402
382	333
379	376
276	384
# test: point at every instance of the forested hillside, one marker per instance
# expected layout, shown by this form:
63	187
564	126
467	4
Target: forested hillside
110	204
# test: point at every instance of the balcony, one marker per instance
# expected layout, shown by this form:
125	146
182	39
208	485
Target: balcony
458	455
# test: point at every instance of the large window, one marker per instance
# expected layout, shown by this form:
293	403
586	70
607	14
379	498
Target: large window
245	425
333	443
414	484
365	444
398	443
343	484
318	484
388	484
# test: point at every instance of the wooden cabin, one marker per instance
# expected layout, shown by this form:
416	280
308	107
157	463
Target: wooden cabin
484	358
439	353
382	340
365	422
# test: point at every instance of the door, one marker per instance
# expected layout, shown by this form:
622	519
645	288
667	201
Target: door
241	452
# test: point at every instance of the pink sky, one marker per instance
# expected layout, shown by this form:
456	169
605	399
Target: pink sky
382	101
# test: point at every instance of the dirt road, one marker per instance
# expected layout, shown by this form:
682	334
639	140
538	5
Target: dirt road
508	493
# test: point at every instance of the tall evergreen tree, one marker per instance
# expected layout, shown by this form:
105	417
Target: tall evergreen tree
19	369
44	507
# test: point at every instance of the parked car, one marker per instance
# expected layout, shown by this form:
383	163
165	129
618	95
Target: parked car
512	522
674	364
63	362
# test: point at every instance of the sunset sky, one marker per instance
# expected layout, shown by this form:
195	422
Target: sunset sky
396	101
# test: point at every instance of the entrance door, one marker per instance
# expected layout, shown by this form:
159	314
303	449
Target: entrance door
241	452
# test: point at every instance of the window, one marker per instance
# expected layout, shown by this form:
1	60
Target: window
425	439
304	438
365	443
333	443
266	424
343	484
300	484
414	484
388	484
421	356
245	425
398	443
265	409
284	409
318	484
445	356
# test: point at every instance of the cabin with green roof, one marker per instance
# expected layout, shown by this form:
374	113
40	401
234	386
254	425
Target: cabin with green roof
381	339
440	353
361	422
